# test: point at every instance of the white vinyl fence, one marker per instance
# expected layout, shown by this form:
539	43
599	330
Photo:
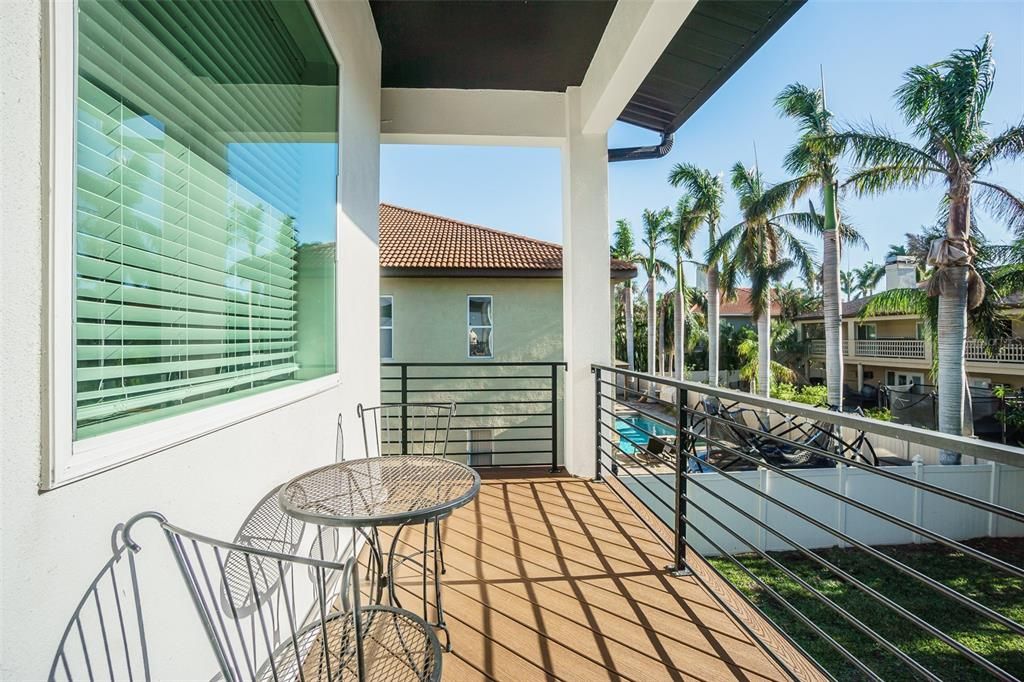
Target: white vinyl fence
996	483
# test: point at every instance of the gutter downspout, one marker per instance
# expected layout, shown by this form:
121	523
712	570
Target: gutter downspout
642	153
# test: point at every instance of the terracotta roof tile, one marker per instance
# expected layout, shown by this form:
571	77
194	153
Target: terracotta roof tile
414	239
741	305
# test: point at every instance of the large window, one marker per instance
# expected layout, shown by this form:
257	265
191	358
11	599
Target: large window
481	327
206	150
387	327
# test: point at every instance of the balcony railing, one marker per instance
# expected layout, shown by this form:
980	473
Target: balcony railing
890	348
507	413
817	347
1011	351
873	567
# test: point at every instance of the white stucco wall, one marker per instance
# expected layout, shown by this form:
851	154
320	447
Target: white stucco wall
53	543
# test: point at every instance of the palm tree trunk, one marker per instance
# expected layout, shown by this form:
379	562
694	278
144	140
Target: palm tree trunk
952	325
952	339
764	352
713	326
662	314
831	295
652	328
680	320
628	312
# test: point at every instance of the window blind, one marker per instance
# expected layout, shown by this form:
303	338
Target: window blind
205	173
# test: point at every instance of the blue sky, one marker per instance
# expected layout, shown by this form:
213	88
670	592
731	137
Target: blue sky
863	48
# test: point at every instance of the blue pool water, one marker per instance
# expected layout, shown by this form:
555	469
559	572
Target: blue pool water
627	426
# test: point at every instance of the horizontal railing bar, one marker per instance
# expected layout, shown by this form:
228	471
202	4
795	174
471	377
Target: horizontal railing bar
668	506
413	429
504	389
539	439
649	396
500	465
886	516
642	448
650	415
638	462
801	616
877	596
898	565
619	417
978	503
560	363
489	377
996	452
501	414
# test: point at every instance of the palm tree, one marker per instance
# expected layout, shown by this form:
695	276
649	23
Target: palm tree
763	249
867	278
848	284
708	194
944	104
814	159
655	227
685	224
624	249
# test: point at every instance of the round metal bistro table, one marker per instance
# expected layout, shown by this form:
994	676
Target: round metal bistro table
393	491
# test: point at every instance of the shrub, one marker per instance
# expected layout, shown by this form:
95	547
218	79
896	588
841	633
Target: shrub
879	413
809	395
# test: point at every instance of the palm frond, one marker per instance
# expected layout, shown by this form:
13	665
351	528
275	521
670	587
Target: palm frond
1007	146
883	178
1003	205
873	146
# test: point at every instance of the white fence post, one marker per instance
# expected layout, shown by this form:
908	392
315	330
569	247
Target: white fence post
841	505
918	497
993	497
762	508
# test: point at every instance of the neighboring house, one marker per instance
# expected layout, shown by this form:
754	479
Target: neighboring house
453	291
892	350
738	312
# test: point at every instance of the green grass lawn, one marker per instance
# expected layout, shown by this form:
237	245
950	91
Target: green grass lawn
982	582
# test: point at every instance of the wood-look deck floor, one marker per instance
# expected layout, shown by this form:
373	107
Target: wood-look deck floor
551	577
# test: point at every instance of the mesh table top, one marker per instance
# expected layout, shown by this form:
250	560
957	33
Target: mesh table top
379	491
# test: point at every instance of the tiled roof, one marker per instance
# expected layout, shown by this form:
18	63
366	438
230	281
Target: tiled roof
741	306
853	308
418	240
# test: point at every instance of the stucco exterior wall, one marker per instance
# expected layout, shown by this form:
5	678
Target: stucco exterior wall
53	543
431	326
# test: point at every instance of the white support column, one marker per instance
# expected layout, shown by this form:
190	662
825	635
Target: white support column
860	376
586	296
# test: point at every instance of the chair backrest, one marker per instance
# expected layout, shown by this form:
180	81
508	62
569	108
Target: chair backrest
406	428
105	638
269	615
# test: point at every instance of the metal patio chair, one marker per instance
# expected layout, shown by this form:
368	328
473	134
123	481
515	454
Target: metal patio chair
274	616
420	429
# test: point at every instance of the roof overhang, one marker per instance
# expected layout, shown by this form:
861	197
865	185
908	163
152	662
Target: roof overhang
614	275
655	62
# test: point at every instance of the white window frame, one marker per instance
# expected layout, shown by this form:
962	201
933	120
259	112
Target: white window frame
470	326
67	460
866	325
391	298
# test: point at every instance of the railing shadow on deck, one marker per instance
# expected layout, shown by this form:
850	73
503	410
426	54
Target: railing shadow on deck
870	570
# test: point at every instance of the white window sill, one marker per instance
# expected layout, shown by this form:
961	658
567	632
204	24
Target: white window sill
101	453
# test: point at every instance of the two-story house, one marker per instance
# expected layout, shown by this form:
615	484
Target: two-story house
892	350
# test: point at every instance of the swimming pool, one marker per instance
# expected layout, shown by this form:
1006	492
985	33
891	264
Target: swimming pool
628	427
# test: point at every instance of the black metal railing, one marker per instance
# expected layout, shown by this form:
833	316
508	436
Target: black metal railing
868	571
506	413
